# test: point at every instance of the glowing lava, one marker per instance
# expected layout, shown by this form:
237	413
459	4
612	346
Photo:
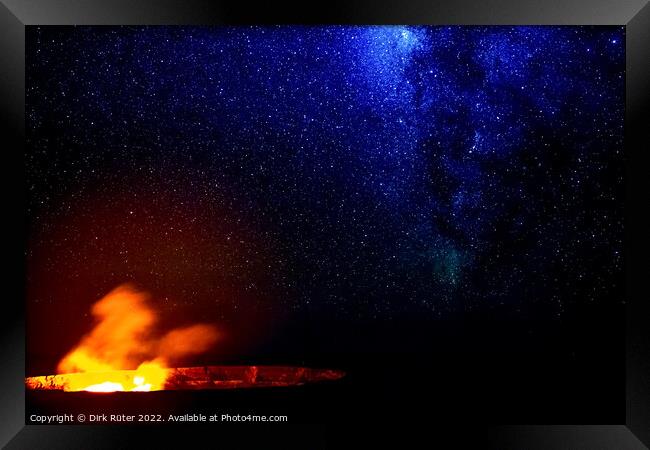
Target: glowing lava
106	386
147	377
187	378
122	340
123	353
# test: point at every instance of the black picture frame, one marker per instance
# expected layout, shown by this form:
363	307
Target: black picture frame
635	15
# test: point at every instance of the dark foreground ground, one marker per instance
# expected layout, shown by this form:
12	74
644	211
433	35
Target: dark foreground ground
507	372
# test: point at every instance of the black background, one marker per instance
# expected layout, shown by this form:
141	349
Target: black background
522	437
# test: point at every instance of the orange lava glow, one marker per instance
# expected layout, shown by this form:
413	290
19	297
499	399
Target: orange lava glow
147	377
123	353
187	378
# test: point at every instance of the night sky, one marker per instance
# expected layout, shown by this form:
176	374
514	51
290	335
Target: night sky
249	173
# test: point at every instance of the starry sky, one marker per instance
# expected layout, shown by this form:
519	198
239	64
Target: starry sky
353	172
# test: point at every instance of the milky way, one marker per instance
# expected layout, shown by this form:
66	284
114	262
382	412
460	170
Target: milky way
357	172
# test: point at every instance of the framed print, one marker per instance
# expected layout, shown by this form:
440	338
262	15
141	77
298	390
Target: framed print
424	218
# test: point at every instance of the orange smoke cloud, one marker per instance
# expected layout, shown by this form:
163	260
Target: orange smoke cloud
124	338
182	342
